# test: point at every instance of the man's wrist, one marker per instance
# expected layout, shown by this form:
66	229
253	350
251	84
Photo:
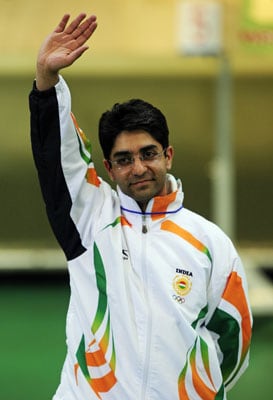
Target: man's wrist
45	79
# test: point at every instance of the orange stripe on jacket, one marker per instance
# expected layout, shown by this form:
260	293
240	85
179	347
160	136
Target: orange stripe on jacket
234	294
182	391
183	395
200	386
161	204
103	384
79	130
95	358
92	177
124	221
174	228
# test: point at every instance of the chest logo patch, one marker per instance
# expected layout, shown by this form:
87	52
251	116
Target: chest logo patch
182	284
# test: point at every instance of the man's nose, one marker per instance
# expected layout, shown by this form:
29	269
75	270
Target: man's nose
138	167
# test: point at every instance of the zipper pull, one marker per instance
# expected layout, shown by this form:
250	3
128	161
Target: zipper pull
144	226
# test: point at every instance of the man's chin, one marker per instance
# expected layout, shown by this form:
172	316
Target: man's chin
143	194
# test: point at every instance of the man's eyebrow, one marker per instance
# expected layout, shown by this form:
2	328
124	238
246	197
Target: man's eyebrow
141	150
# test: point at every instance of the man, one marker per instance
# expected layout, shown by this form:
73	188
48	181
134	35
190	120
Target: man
159	306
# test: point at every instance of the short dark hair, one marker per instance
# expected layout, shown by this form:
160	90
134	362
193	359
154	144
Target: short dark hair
134	114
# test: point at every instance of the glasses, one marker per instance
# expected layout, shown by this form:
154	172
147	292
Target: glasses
126	161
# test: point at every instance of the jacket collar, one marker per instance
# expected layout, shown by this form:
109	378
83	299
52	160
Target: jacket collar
159	206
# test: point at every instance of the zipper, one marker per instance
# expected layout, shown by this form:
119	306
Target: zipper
148	331
144	225
146	365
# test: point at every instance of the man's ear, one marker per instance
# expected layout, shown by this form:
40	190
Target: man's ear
169	157
109	169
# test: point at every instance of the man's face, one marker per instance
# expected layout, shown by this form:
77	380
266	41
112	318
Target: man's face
142	179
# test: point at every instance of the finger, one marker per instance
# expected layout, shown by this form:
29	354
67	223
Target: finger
76	43
62	24
86	33
75	23
86	28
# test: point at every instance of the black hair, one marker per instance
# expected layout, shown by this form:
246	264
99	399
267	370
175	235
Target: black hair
134	114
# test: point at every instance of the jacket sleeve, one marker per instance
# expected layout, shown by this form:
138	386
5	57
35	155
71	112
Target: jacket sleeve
69	184
231	320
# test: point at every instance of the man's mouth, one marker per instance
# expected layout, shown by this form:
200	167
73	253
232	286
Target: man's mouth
141	182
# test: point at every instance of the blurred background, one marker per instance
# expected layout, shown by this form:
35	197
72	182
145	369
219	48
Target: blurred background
208	65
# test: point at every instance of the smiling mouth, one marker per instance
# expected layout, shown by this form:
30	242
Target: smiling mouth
139	183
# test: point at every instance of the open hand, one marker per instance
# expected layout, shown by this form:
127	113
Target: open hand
62	47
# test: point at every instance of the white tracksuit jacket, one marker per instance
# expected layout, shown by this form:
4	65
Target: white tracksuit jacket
159	313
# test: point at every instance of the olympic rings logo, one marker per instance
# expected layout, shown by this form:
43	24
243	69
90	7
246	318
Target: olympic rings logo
179	299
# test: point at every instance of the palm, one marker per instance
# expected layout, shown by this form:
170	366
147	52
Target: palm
66	43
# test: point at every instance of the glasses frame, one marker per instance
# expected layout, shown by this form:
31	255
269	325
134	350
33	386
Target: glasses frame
114	163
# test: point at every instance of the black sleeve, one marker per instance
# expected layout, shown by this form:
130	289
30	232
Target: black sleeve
45	141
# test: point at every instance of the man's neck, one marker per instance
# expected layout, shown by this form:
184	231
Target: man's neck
142	205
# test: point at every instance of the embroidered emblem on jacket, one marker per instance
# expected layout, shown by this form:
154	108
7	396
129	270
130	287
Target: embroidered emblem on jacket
182	283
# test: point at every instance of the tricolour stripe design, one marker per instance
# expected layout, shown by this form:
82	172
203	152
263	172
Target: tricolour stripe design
176	229
225	320
99	373
231	322
201	316
92	177
119	220
84	143
235	295
196	376
85	152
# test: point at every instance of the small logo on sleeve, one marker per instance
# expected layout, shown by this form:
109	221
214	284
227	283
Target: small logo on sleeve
125	254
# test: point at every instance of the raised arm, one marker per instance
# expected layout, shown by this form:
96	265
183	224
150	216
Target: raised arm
61	152
62	47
